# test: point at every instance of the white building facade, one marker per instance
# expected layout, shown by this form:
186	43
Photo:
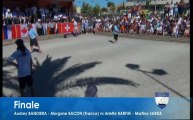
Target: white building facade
130	3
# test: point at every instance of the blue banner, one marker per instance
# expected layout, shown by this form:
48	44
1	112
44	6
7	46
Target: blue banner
91	109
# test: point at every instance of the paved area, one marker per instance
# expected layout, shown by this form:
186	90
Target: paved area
128	68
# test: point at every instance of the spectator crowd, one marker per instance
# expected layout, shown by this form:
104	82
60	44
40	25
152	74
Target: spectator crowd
33	13
174	20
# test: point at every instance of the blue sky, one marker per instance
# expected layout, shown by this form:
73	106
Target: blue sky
102	3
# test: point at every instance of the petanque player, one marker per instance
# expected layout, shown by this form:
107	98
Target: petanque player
24	63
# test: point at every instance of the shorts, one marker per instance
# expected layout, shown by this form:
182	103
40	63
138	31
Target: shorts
33	42
25	80
115	36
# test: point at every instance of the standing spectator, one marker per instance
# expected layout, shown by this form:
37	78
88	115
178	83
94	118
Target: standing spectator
129	14
171	12
17	10
176	9
14	18
86	26
24	64
47	13
43	15
55	10
34	13
4	10
33	38
94	26
39	27
90	22
55	17
51	26
181	7
8	17
26	11
166	9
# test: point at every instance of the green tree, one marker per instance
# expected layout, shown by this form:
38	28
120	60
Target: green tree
123	5
86	8
74	9
113	8
96	10
148	3
104	9
111	5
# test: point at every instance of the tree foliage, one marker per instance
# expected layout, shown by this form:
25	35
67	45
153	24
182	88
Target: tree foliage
74	9
96	10
111	5
86	8
148	3
104	9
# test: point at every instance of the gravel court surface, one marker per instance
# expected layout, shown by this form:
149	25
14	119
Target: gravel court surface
108	63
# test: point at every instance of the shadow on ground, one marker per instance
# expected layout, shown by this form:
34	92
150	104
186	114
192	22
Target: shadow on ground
101	81
9	82
36	50
159	72
49	78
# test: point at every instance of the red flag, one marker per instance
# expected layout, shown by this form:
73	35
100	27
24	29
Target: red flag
16	31
59	28
63	27
24	30
68	27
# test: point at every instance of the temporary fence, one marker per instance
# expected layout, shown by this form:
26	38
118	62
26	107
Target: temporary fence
20	30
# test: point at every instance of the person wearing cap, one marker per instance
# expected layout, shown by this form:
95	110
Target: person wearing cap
24	64
33	38
39	27
8	16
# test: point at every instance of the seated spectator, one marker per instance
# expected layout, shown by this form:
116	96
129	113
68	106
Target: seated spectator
187	31
142	27
175	30
159	29
133	27
149	28
165	29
